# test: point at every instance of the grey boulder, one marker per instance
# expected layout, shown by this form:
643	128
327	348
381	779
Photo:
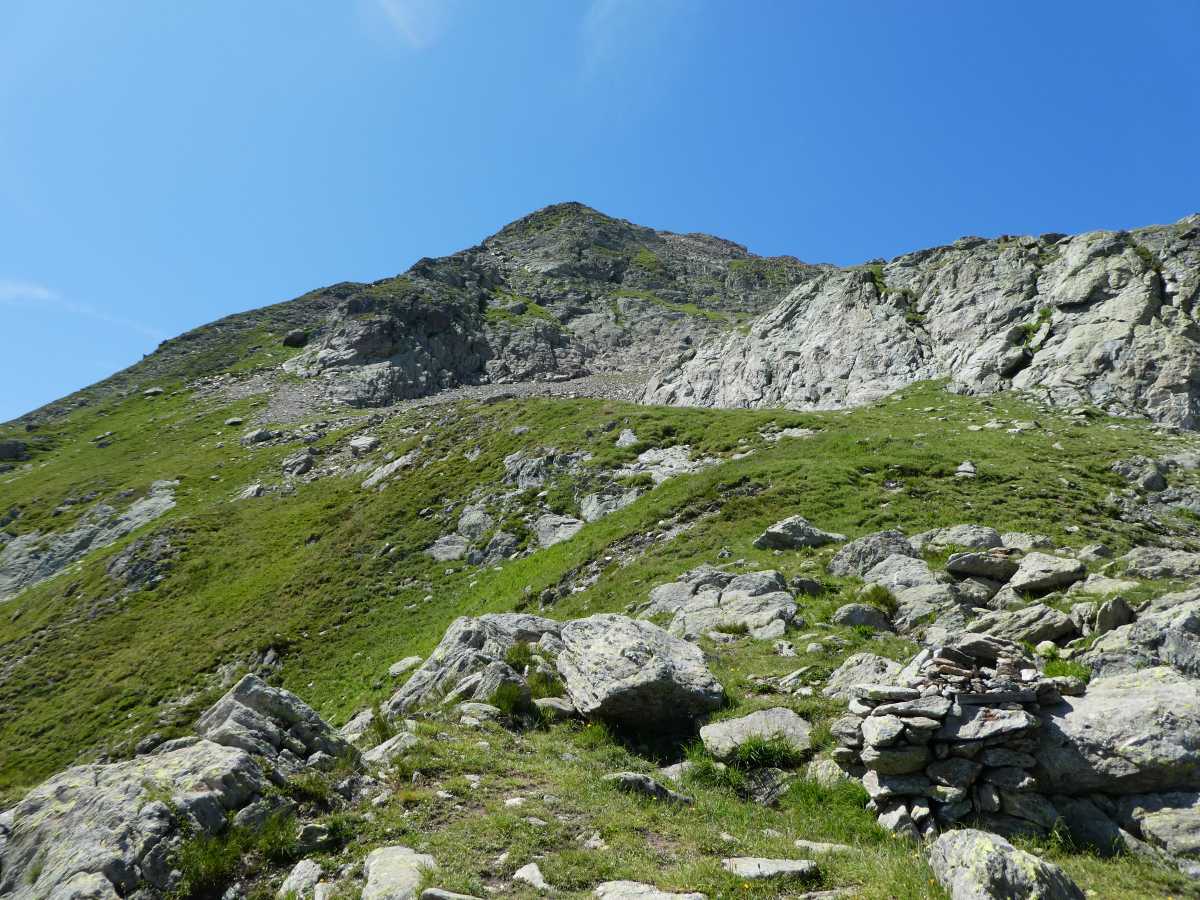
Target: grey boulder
258	718
862	615
1041	572
861	554
793	533
469	646
633	674
860	668
722	739
103	831
552	529
395	873
976	865
1132	733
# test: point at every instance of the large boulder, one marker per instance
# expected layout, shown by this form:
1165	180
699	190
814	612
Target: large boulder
722	739
1133	733
1170	821
1033	624
470	645
269	721
761	615
793	533
635	675
899	572
976	865
861	554
104	831
975	536
1155	562
1041	572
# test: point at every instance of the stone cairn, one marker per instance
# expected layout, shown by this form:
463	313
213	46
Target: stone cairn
953	739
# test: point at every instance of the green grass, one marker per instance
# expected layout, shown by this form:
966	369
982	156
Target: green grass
276	572
1057	667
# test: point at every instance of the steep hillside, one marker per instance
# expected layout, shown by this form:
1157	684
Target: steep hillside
233	585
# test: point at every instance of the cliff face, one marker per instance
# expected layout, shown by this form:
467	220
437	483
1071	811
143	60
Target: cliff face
563	292
1105	317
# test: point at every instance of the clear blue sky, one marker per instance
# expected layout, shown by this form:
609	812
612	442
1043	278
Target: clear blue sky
163	164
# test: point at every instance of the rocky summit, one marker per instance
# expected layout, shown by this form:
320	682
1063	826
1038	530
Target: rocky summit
601	561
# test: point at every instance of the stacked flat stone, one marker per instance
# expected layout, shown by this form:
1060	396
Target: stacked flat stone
953	739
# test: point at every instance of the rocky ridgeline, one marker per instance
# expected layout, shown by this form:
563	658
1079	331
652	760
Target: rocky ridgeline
1103	318
953	738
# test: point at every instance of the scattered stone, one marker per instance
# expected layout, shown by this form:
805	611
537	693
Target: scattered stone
407	664
394	873
793	533
860	668
449	547
301	881
752	868
531	875
637	783
635	890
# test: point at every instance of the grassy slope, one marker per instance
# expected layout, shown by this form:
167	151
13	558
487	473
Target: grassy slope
304	573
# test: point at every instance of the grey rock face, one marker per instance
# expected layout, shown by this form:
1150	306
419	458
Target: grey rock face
723	738
99	831
560	293
795	532
258	718
861	554
12	449
468	646
634	674
552	529
1130	733
975	865
34	556
1087	319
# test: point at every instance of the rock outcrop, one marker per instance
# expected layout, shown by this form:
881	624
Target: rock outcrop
1102	318
560	293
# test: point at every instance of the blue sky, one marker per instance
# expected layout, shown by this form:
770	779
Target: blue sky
164	164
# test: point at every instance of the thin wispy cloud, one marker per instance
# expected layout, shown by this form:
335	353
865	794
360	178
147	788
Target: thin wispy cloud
613	29
40	298
419	23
